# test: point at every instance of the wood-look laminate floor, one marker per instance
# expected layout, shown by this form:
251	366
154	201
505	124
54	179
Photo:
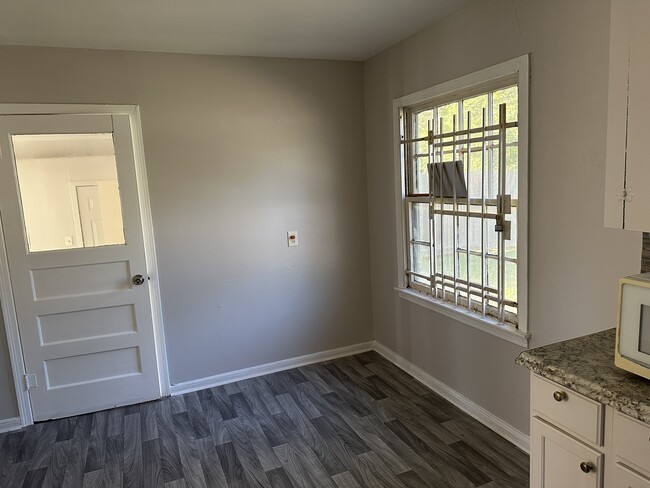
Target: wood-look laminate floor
349	423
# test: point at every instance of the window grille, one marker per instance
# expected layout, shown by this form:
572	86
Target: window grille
461	200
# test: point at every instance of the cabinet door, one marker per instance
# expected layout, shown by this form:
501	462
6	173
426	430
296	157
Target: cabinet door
560	461
619	47
631	443
628	121
637	176
625	478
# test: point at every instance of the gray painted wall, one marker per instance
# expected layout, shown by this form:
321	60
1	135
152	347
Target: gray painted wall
575	262
239	151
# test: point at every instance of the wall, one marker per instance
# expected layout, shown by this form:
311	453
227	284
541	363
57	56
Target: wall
575	263
239	151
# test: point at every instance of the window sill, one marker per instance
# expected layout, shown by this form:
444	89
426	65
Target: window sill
490	326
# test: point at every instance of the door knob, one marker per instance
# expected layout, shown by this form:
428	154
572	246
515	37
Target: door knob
586	467
559	396
138	279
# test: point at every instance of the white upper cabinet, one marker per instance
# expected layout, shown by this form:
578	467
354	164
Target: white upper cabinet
627	187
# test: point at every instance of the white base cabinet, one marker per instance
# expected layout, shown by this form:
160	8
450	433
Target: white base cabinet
577	442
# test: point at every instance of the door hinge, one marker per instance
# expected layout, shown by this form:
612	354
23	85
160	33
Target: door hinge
625	195
31	381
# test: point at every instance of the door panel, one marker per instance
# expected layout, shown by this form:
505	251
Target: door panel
82	324
92	367
86	329
626	478
557	460
83	279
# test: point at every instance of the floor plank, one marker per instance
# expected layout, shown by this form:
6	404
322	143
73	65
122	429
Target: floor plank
152	464
133	470
279	478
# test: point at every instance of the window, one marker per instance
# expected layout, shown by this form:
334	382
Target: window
462	202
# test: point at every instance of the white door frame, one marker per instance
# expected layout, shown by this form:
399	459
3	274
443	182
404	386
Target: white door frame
6	292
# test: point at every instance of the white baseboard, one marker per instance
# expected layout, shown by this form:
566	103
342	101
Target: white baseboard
262	369
487	418
10	424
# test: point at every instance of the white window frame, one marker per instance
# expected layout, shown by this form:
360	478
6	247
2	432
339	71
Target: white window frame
518	69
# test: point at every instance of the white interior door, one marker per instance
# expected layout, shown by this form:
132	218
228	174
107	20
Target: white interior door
85	319
90	215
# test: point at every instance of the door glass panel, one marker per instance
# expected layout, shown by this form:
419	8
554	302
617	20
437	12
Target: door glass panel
69	190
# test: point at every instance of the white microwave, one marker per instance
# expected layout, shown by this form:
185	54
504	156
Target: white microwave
633	325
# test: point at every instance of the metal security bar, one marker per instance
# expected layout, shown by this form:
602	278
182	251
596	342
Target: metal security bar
462	233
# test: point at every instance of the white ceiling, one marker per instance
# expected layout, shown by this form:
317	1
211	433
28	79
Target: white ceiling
321	29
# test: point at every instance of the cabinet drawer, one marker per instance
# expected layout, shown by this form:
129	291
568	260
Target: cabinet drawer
632	442
568	410
626	478
557	460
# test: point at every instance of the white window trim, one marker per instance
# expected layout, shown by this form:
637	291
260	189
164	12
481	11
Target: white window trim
518	67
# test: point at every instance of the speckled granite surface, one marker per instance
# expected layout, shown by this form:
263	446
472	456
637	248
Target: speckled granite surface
586	365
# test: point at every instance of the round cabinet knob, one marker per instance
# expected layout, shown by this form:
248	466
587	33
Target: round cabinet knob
586	467
138	280
559	396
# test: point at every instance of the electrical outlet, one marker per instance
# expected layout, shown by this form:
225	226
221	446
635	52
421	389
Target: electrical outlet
292	238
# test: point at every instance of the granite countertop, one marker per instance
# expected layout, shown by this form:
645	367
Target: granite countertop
586	365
